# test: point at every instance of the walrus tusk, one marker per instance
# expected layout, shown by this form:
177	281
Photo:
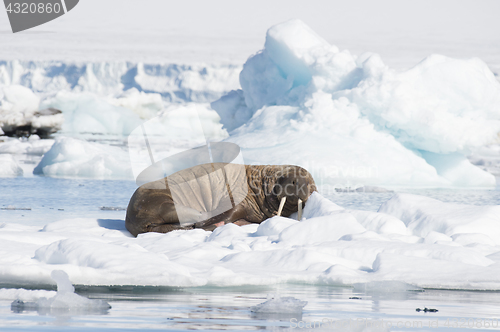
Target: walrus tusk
282	203
299	217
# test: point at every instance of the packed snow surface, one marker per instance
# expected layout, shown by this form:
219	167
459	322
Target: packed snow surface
411	240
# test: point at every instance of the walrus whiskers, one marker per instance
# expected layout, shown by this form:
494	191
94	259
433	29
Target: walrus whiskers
282	203
299	216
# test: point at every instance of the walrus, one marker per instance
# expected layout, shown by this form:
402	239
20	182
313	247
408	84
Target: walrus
209	195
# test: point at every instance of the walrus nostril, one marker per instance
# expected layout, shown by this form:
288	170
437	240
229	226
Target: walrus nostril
299	216
282	203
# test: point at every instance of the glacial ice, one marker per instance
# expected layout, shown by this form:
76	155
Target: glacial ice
174	82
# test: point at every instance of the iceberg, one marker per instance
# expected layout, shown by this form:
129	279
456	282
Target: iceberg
86	113
71	157
352	121
20	115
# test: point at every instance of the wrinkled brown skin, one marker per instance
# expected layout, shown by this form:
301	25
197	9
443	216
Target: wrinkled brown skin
151	208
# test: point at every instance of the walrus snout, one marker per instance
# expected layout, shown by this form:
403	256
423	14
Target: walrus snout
293	188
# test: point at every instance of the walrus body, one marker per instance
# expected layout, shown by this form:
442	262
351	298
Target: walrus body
209	194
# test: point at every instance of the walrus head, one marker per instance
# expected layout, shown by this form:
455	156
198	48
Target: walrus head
292	189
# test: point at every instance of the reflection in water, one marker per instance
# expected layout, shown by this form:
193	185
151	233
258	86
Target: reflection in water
212	308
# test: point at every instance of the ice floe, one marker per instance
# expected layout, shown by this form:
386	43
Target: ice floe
412	240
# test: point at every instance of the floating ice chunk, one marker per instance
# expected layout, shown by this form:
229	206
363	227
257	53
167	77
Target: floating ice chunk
373	189
19	100
19	114
24	295
32	146
70	157
112	208
65	298
87	113
9	166
277	304
13	208
385	286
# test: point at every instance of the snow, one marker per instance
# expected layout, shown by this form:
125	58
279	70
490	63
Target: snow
301	97
412	242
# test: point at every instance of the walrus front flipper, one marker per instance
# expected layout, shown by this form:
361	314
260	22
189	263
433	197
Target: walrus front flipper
180	214
231	215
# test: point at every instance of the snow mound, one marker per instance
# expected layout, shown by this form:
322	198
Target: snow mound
277	304
70	157
302	97
65	298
